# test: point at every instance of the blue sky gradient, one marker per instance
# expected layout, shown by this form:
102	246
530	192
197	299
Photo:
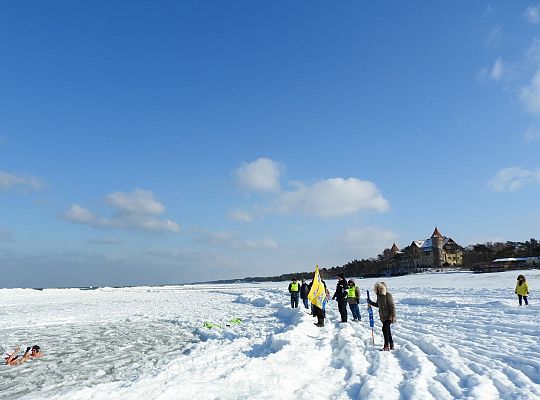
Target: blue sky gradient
147	142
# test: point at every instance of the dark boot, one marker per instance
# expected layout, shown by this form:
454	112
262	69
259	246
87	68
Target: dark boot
386	347
391	346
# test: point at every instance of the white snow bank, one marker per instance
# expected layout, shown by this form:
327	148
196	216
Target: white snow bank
458	335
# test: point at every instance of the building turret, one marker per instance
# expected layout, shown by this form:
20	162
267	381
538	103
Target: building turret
394	250
437	241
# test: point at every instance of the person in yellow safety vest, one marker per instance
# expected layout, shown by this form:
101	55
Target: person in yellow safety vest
522	289
294	290
354	299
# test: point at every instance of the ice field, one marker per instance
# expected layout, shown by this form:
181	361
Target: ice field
458	336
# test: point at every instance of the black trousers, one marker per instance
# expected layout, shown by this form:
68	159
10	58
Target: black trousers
319	313
295	296
342	307
387	333
524	298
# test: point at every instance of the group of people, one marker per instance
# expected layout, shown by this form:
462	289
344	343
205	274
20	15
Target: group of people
31	352
348	293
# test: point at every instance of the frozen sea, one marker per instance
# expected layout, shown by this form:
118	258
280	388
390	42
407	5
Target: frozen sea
458	336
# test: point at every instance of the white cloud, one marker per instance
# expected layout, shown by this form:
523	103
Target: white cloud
5	235
533	53
79	214
331	198
513	178
240	215
532	133
258	244
23	181
497	70
108	240
328	198
229	239
368	241
262	175
495	37
133	211
532	14
138	202
530	94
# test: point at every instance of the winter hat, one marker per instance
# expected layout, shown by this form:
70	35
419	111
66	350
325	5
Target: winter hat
341	275
380	288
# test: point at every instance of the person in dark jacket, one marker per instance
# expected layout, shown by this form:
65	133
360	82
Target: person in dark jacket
341	296
304	290
294	290
387	312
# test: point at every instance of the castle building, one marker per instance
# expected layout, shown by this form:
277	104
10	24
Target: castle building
437	251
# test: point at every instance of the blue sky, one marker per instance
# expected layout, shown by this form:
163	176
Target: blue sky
147	142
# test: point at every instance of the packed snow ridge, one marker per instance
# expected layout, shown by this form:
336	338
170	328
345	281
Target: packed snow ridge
458	336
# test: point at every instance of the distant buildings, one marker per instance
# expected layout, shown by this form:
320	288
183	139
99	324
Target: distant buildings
508	264
437	251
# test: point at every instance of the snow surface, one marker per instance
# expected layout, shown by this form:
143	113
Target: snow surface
458	336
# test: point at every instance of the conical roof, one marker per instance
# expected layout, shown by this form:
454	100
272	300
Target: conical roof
437	234
394	248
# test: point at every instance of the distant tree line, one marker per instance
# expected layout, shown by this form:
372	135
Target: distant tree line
375	267
489	251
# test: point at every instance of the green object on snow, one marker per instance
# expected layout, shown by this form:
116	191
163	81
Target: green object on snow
210	325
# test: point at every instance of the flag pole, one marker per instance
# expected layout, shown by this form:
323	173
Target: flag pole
371	321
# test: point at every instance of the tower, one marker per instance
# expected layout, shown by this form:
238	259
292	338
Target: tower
394	250
437	245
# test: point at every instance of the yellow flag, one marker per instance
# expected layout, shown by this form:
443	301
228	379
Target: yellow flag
317	294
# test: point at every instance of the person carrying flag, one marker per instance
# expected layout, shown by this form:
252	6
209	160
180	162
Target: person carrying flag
387	312
318	295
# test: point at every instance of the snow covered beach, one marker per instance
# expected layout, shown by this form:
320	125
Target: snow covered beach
458	336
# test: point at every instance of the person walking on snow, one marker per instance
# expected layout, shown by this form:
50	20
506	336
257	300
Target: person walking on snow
354	300
387	312
304	290
341	295
294	290
522	289
316	311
